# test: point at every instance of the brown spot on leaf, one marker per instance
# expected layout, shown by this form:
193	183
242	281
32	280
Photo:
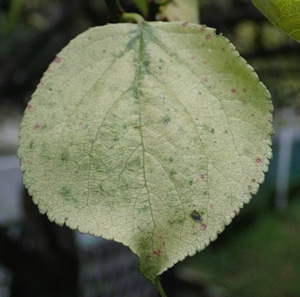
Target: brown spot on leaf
207	36
57	60
36	126
157	253
258	160
233	91
203	226
29	106
185	24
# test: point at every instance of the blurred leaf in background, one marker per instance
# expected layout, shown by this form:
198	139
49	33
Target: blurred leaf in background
181	10
283	13
142	6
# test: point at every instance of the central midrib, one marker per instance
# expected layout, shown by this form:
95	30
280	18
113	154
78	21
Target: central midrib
138	78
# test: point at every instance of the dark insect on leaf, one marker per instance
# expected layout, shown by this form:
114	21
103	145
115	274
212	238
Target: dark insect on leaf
196	216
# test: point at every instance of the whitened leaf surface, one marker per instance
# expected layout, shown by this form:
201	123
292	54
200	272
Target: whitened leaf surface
283	13
152	135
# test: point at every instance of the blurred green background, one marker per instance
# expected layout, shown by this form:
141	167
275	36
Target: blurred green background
257	255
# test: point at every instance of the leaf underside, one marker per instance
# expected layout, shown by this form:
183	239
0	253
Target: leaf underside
153	135
283	13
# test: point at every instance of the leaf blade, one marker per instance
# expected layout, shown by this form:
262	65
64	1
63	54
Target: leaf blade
148	145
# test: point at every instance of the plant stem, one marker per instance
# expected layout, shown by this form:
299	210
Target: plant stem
131	17
118	15
115	9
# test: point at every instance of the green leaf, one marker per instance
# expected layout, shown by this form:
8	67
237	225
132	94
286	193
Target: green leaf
142	6
153	135
283	13
182	10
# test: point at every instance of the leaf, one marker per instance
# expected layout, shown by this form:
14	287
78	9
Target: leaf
181	10
285	14
142	6
153	135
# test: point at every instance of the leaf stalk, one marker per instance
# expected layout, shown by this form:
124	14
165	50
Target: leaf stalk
159	287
